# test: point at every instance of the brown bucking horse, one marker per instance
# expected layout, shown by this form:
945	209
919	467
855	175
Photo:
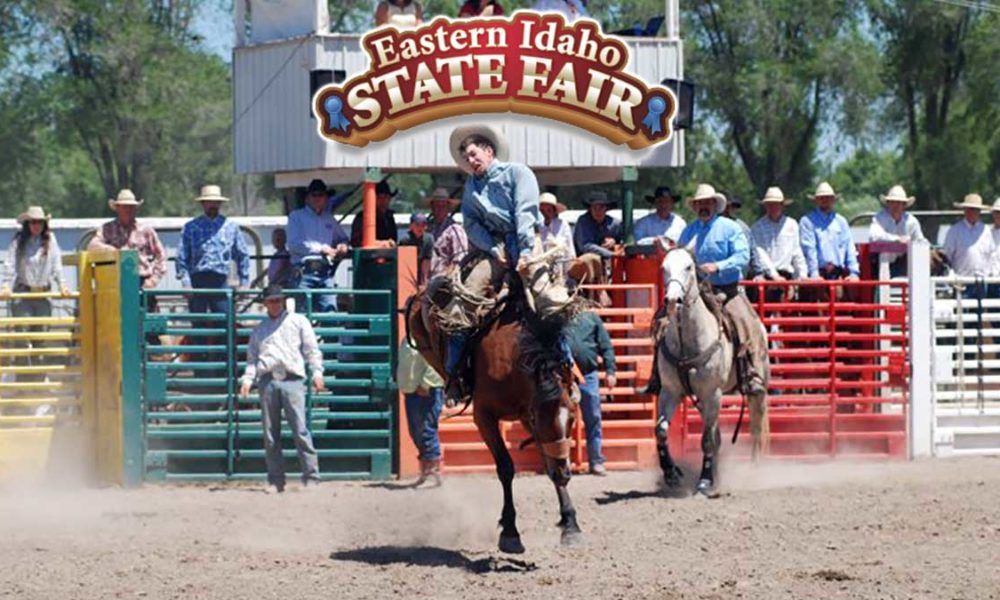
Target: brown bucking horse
519	375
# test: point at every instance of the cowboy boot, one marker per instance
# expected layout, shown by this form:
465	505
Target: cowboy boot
754	381
424	472
434	472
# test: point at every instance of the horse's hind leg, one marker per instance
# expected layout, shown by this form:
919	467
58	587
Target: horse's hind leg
489	429
711	441
672	474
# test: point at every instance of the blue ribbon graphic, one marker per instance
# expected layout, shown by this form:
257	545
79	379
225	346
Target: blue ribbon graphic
654	115
334	106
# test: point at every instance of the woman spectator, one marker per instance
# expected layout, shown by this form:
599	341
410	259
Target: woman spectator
34	265
480	8
399	13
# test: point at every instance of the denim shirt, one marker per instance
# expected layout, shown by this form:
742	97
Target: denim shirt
826	240
719	241
209	245
500	208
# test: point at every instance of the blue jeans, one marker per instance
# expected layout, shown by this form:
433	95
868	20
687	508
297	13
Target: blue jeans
315	281
590	408
208	303
422	414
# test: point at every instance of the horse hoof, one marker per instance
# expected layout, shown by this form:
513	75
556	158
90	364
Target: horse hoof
572	539
674	478
511	545
705	488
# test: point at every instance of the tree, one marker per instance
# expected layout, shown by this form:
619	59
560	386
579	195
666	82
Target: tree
774	74
941	72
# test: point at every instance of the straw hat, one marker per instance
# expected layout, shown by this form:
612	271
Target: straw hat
897	194
211	193
125	198
971	201
704	192
491	133
774	195
551	200
34	213
442	193
824	189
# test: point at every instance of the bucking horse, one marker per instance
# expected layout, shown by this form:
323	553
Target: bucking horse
518	375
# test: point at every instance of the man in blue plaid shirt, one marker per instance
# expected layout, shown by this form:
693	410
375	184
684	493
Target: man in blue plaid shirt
209	243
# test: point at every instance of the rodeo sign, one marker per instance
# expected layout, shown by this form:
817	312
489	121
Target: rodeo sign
529	63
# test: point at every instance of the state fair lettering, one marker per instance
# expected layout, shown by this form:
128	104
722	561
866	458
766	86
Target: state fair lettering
529	63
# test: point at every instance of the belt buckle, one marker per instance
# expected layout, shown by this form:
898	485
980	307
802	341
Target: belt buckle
278	373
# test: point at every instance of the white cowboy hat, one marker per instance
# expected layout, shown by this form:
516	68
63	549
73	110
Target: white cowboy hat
551	200
125	198
971	201
491	133
211	193
774	195
704	192
897	194
824	189
34	213
442	193
996	205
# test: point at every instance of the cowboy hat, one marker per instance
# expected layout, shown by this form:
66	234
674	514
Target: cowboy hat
823	190
34	213
897	194
211	193
599	197
971	201
491	133
996	205
774	195
704	192
442	194
383	187
273	291
662	191
317	186
125	198
551	200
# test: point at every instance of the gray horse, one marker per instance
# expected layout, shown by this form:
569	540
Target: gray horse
693	353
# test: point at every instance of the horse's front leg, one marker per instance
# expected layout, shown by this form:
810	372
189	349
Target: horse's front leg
552	425
489	429
711	442
667	407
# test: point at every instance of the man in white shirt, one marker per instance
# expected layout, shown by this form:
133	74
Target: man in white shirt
279	348
555	231
776	243
894	224
995	211
969	245
661	223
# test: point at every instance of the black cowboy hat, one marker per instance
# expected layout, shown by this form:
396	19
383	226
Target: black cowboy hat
599	197
382	187
663	190
317	186
273	291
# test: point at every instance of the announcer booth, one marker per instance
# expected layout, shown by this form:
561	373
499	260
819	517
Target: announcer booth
286	52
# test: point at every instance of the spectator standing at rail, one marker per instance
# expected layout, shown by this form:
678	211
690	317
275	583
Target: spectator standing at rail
894	224
418	236
316	241
421	387
597	232
735	203
34	265
279	269
385	220
399	13
591	347
969	246
827	243
776	243
480	8
554	231
450	241
995	230
662	222
279	349
210	243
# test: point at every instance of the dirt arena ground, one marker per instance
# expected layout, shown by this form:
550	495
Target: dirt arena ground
905	530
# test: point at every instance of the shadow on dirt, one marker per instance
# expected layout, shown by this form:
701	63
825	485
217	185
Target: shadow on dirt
428	556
